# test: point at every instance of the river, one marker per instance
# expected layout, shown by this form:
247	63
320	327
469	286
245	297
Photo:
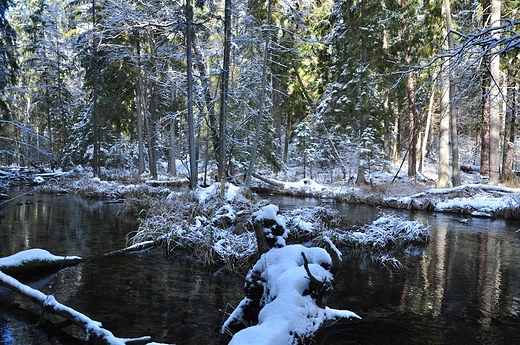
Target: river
463	288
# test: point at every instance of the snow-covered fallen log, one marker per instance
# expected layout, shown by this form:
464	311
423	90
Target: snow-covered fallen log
35	260
285	291
476	200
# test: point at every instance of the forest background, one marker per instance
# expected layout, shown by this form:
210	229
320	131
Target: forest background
231	87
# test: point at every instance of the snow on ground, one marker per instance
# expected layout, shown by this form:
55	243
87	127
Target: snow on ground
203	194
396	189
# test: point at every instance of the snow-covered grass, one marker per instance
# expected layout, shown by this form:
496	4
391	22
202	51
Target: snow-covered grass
214	224
390	231
217	227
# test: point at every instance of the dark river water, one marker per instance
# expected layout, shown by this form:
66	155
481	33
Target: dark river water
463	288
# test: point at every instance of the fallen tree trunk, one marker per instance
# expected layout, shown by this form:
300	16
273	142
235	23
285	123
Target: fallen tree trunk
272	183
36	260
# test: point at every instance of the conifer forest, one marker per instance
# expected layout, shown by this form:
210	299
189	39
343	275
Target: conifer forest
232	87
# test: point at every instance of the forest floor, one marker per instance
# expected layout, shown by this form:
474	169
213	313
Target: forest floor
392	189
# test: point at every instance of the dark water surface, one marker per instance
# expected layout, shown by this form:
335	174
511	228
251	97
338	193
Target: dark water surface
464	288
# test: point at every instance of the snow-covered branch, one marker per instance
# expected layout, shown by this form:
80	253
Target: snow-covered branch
94	329
38	258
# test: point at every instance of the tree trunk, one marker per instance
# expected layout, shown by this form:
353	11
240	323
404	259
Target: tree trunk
494	102
443	173
484	131
424	142
95	117
191	121
172	151
206	90
151	130
443	180
412	139
509	147
138	102
224	93
455	172
387	136
360	178
259	115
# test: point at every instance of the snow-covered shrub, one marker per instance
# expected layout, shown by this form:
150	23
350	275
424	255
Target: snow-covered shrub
122	155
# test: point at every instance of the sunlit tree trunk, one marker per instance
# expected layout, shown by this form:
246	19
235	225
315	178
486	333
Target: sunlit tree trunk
443	179
494	102
443	171
454	135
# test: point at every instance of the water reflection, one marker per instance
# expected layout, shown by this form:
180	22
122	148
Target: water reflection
64	225
463	288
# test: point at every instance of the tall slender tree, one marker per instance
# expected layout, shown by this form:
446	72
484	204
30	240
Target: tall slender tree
191	122
495	100
443	171
224	92
454	136
8	64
